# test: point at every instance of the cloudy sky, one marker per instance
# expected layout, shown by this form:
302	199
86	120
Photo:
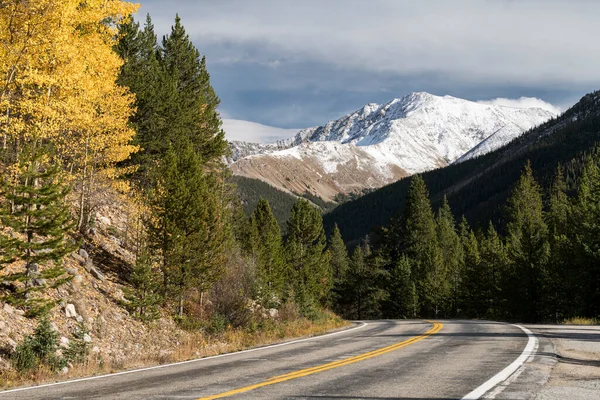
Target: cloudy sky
299	63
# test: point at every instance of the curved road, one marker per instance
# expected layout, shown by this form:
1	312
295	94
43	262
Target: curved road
376	360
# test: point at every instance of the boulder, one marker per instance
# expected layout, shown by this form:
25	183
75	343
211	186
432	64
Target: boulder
77	279
20	312
78	258
70	311
8	308
88	265
11	344
273	312
84	254
97	274
39	282
87	338
64	342
71	271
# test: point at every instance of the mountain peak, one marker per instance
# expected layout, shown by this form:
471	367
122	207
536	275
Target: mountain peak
378	144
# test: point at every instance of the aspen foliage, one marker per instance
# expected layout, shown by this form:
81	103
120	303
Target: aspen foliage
58	74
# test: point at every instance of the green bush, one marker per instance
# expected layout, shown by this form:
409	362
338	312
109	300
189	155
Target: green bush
39	348
24	357
78	349
218	324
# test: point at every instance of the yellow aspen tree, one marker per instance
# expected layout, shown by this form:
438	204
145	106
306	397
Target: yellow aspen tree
59	73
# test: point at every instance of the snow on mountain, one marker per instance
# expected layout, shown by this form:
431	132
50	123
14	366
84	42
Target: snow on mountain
379	144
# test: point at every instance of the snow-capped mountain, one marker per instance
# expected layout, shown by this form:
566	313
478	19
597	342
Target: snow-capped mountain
379	144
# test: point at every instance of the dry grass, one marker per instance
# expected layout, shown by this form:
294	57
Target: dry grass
194	346
581	321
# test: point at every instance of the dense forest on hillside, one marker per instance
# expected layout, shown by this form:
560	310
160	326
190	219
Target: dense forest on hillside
545	267
478	188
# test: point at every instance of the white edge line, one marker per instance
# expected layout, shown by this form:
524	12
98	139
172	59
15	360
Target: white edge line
503	375
91	378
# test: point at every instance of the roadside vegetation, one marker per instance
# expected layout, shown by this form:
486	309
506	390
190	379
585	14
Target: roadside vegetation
581	321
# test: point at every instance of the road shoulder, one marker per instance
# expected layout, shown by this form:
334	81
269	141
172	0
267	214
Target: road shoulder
566	366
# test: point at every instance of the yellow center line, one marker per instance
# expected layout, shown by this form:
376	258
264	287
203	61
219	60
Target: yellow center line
335	364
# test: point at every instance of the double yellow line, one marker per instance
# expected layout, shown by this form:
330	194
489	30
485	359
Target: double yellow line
335	364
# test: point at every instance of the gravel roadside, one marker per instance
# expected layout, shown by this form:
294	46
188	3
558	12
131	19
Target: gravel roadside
565	366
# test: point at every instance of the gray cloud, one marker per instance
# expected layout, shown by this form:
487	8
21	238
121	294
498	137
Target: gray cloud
298	63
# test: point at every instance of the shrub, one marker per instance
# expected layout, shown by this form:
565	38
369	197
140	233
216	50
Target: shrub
218	324
39	348
24	357
78	349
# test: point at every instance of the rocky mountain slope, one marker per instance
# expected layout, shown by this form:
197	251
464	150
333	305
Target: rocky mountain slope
380	144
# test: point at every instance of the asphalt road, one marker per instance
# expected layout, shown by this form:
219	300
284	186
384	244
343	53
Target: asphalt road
380	360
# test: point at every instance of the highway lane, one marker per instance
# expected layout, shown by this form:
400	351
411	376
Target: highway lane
382	360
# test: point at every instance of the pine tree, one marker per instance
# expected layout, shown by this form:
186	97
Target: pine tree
35	208
420	244
143	73
192	112
401	292
562	275
494	260
528	247
585	239
468	302
363	294
187	226
144	295
452	255
339	257
268	253
307	256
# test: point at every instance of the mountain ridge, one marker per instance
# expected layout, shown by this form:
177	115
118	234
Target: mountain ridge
379	144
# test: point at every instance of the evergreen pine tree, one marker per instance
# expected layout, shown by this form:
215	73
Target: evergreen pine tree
144	295
529	251
452	255
420	244
187	226
192	113
307	257
268	254
34	207
562	274
363	294
494	261
339	256
586	240
470	280
402	298
154	93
